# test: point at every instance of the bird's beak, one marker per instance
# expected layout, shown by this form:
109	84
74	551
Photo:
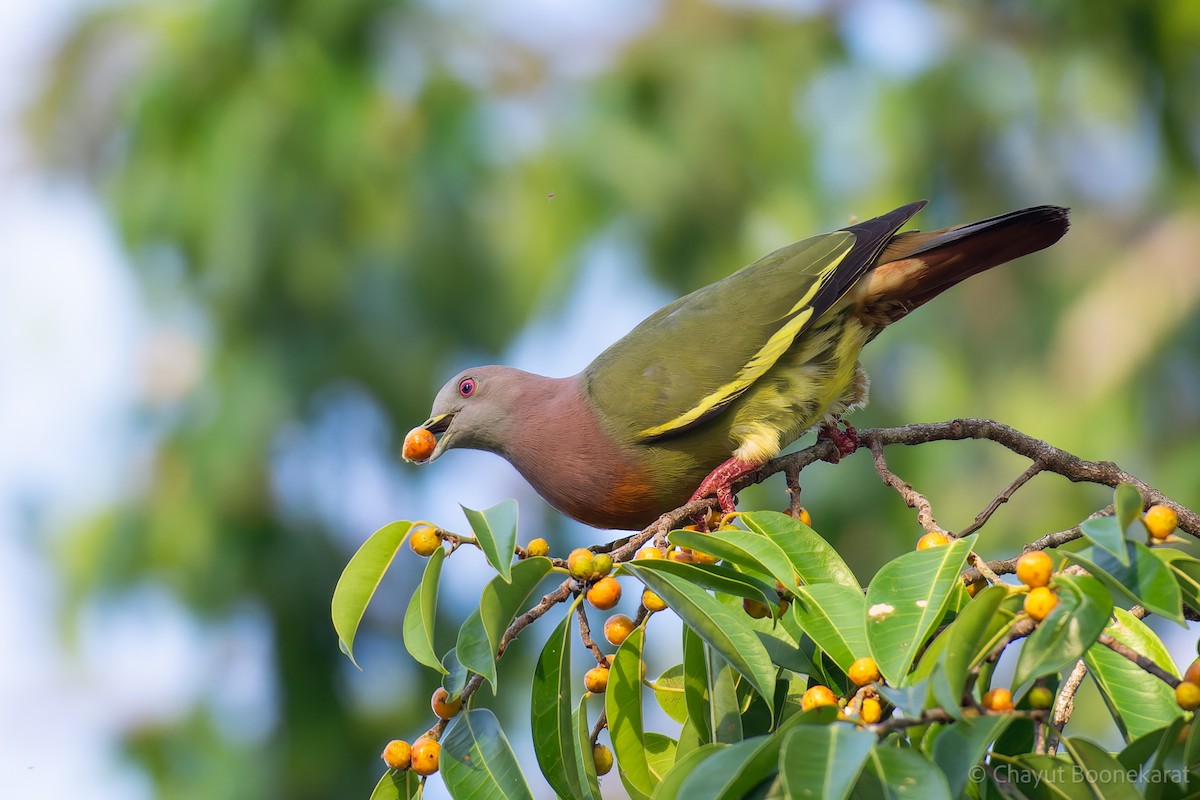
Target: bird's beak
438	425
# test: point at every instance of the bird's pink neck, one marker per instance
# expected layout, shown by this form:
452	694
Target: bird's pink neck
558	445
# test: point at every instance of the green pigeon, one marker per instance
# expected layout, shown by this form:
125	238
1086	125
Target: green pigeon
711	386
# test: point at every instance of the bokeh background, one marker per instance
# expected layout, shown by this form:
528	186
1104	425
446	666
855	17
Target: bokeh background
243	242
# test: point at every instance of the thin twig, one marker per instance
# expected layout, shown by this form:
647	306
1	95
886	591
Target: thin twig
600	725
1137	658
911	496
1000	499
792	476
585	635
984	569
1064	706
1007	566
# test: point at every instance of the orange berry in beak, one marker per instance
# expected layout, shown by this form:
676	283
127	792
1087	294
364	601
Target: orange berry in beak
418	445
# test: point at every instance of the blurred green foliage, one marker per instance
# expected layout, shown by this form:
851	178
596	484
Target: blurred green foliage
359	193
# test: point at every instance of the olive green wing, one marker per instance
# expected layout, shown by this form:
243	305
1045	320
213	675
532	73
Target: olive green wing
688	361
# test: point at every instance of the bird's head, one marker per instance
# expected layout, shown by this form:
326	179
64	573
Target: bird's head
472	410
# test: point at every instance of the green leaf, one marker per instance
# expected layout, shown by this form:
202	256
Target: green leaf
1186	571
1157	745
899	773
477	762
782	637
550	712
1041	777
906	600
1099	771
960	747
714	622
1139	702
585	762
479	636
695	684
455	678
496	531
813	558
731	773
743	548
361	578
725	707
719	578
1083	609
660	753
962	643
912	699
421	612
1109	535
623	706
823	760
685	764
397	785
668	690
834	617
1146	580
1128	502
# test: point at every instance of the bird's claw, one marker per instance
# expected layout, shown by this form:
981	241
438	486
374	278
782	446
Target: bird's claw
845	440
720	483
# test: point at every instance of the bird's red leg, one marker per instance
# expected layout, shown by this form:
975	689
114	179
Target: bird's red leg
845	440
720	482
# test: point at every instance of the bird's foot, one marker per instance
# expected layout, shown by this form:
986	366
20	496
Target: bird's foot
720	483
844	439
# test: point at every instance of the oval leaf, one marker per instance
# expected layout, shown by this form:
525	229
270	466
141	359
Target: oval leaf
668	691
823	760
585	761
719	578
550	712
1107	534
397	785
906	601
731	773
960	747
833	616
496	531
1100	771
361	577
1083	609
1139	702
421	612
961	644
455	679
623	707
1186	571
812	557
695	684
479	636
899	773
1128	502
743	548
716	624
1143	579
685	764
477	761
724	704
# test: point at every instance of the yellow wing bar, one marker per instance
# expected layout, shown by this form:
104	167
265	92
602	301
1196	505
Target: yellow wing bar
757	366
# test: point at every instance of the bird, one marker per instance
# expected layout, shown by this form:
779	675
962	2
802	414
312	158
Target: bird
716	383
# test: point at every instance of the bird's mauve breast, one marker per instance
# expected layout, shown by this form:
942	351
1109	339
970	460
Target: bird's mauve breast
559	446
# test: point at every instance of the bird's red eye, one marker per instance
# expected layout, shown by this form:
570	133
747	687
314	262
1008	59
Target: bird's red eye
466	387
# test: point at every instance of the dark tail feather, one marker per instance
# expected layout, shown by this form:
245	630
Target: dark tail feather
917	266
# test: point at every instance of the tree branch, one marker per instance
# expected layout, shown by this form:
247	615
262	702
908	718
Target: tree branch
1051	458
